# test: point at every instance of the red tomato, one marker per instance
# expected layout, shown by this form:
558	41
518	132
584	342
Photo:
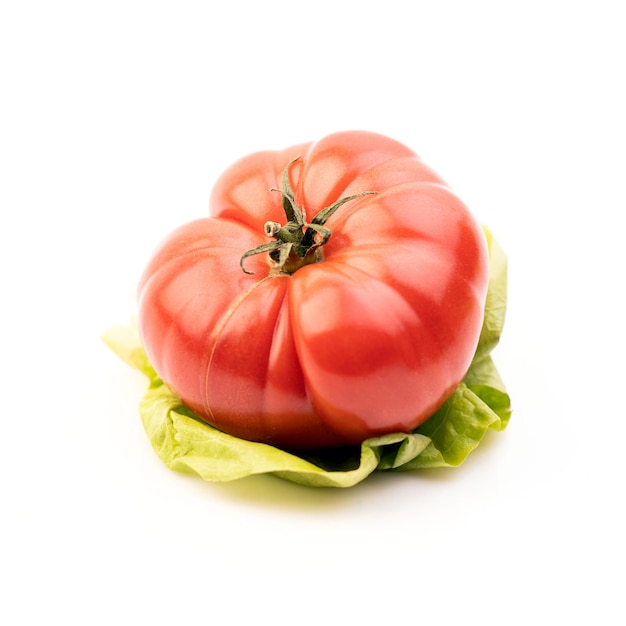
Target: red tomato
364	332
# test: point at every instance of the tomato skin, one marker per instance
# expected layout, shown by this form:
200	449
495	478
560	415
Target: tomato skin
368	341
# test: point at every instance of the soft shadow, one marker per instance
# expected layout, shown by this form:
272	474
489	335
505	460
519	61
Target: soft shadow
271	491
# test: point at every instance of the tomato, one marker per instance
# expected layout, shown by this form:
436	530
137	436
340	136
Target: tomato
335	292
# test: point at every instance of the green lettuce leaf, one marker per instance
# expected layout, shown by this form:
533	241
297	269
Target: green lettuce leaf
185	443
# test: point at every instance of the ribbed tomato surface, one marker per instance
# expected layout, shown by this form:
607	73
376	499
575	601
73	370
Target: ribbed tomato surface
369	338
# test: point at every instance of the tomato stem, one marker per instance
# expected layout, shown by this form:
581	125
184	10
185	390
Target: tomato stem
297	243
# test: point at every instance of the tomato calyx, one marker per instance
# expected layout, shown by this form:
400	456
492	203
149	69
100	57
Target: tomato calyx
298	242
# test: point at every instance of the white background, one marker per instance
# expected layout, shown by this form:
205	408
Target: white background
116	118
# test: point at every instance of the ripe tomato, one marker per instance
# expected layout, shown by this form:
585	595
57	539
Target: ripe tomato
279	322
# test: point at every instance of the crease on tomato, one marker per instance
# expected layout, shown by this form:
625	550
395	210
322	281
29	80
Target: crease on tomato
288	405
332	162
406	207
265	398
342	361
386	175
215	335
243	193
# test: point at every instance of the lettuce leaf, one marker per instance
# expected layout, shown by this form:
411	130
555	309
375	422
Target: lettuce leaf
185	443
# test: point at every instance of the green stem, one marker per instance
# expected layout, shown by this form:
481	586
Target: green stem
297	243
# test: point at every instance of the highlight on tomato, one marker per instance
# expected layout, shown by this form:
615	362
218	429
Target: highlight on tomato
335	292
